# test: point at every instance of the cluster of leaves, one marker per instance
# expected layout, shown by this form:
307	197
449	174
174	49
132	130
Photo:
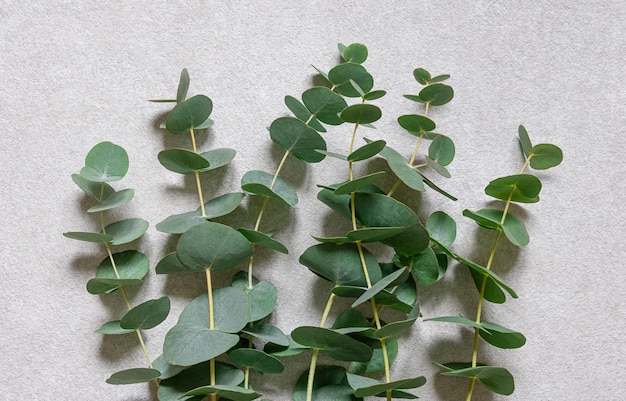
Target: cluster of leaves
518	188
379	259
105	163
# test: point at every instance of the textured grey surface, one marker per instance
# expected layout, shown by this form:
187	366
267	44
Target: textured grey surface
75	73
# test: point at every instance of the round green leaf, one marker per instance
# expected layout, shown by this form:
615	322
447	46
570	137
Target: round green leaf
377	363
262	299
189	344
523	188
374	234
439	78
545	156
341	75
324	104
377	210
441	150
361	113
125	231
167	370
340	264
218	157
132	267
366	151
212	246
182	161
299	139
355	53
230	310
105	162
113	200
493	293
135	375
146	315
256	360
512	227
189	114
394	329
366	387
425	267
97	190
437	94
336	345
502	337
421	76
259	182
441	228
97	238
416	124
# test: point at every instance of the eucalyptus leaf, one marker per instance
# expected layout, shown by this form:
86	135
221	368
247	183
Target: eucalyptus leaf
394	329
302	141
167	369
336	345
441	228
230	310
376	210
97	190
212	246
441	150
441	170
439	78
381	285
463	321
324	104
191	343
260	183
113	328
361	113
523	188
105	162
355	53
302	113
256	360
125	231
171	264
512	227
358	183
132	266
374	234
146	315
492	293
97	238
421	76
107	285
340	264
366	151
524	141
234	393
373	95
341	75
115	199
262	239
218	157
189	114
183	86
377	363
329	384
502	337
545	156
416	124
425	267
493	378
366	387
401	167
267	332
437	94
174	388
182	161
135	375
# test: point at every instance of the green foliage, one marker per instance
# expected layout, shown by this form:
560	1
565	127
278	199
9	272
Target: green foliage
383	259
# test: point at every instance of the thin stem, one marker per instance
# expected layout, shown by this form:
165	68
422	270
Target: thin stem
311	378
211	327
196	173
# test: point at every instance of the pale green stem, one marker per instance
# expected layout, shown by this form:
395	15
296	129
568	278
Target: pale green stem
311	378
211	327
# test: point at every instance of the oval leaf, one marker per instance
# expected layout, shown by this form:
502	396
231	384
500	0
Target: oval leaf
115	199
341	75
545	156
189	114
105	162
256	360
416	124
355	53
366	151
441	228
189	344
340	264
182	161
336	345
324	104
358	183
523	188
212	246
125	231
441	150
361	113
502	337
299	139
437	94
218	158
132	376
146	315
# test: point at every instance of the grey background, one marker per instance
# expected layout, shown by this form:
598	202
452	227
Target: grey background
75	73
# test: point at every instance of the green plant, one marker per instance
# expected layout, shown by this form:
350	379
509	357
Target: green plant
107	162
380	257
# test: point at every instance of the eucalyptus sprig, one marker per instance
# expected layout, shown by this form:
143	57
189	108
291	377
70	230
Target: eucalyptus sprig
105	163
518	188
